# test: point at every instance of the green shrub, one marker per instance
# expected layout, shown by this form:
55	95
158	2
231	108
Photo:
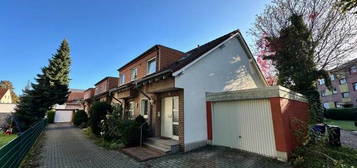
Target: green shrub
130	131
111	128
341	113
51	116
80	117
98	112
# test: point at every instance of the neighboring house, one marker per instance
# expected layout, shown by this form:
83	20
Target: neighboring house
5	95
88	99
102	88
344	87
168	87
64	112
6	109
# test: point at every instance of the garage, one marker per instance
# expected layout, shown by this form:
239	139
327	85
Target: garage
245	125
63	116
260	120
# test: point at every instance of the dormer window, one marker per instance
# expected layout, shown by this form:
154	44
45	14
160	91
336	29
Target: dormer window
353	69
151	66
134	74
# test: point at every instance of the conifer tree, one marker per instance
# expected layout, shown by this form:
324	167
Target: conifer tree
50	88
294	60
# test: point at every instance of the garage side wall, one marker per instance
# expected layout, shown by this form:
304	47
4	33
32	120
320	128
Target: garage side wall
289	116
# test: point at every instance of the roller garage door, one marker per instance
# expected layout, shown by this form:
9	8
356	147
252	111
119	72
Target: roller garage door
63	116
245	125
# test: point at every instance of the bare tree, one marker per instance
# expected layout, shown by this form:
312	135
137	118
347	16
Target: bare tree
334	32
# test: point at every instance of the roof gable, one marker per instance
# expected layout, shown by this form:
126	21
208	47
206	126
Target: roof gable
3	92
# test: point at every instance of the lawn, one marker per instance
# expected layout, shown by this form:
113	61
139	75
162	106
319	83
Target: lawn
4	139
343	124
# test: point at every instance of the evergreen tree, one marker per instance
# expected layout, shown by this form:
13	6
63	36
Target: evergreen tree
294	60
51	88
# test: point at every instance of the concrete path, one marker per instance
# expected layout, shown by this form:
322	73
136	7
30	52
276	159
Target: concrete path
66	147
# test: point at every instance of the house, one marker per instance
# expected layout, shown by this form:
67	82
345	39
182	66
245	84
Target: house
88	99
344	87
168	87
101	91
64	112
5	95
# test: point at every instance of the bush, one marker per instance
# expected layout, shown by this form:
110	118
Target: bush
111	128
130	131
98	112
51	116
80	117
341	113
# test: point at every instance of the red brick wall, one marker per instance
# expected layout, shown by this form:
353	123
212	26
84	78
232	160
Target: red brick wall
89	93
287	114
168	56
106	84
164	57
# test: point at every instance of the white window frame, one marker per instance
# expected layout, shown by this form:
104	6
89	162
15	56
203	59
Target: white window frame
142	108
353	69
343	96
321	81
342	79
131	110
133	76
332	77
148	68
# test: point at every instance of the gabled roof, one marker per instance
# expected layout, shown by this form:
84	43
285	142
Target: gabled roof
195	53
3	92
108	77
153	48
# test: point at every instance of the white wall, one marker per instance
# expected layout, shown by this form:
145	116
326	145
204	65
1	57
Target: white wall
224	69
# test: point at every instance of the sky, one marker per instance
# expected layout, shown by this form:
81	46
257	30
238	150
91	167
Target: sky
104	35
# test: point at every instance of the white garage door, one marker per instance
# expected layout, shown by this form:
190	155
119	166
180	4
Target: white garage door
63	116
245	125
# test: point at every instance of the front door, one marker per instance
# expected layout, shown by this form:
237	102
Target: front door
170	117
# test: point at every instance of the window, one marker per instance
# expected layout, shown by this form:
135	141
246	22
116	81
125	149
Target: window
151	66
321	81
131	109
323	93
337	105
354	86
345	94
353	69
326	105
332	77
343	81
134	74
334	91
145	108
122	78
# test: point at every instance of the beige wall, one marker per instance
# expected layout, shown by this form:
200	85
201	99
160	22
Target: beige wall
6	98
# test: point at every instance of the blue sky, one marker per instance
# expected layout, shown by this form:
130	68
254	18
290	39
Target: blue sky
104	35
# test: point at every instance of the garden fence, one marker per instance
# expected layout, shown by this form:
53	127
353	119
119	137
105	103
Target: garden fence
12	153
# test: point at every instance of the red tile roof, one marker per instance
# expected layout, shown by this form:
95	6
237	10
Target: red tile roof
75	95
2	92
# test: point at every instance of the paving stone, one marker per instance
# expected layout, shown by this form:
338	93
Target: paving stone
66	147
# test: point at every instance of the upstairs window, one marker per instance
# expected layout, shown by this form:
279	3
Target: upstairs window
323	93
334	91
134	74
353	69
343	81
151	66
122	79
332	77
321	81
345	94
354	86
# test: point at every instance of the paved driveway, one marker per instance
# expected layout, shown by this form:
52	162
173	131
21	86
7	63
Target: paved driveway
66	147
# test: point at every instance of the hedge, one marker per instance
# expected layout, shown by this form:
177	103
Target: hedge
341	114
51	116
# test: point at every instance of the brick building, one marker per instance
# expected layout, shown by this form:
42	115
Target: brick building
344	87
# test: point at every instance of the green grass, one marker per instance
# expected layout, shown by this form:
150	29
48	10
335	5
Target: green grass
345	125
4	139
